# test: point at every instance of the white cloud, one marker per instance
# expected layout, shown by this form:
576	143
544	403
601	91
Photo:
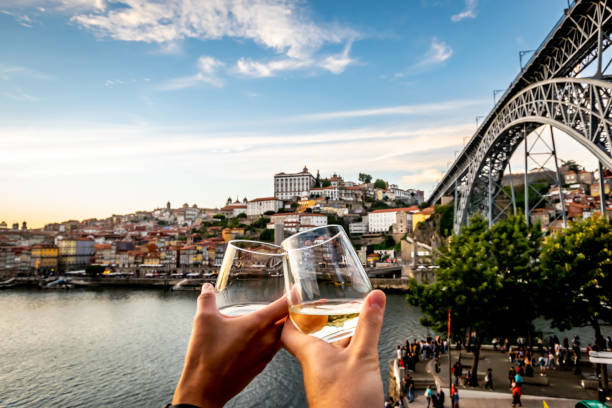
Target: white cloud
277	24
8	72
22	19
336	64
438	52
207	73
469	12
422	109
258	69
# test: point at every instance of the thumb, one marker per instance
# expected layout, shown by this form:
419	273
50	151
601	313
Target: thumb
370	323
207	302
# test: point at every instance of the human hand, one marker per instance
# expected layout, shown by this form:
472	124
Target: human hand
345	373
226	352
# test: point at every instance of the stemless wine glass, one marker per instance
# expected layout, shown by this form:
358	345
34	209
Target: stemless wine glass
251	277
325	282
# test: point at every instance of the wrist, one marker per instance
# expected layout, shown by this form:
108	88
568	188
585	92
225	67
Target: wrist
194	395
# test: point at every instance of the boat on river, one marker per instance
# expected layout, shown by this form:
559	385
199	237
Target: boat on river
190	285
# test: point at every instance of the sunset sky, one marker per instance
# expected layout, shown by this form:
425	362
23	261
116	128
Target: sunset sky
108	107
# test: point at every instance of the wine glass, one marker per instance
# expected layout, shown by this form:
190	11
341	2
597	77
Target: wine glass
325	282
251	277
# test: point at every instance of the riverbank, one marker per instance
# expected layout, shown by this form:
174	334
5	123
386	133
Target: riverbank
166	283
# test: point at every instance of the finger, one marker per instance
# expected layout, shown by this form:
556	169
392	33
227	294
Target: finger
207	302
293	340
370	322
273	312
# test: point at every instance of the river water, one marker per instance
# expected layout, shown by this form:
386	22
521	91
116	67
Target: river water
125	348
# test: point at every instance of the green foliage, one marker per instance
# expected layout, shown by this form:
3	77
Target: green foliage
219	216
423	205
488	278
294	206
308	210
325	182
261	222
162	222
573	166
577	267
242	216
379	205
534	198
515	248
267	235
380	183
269	212
94	270
388	243
446	214
365	178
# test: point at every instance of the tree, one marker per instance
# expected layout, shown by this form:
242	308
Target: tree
269	212
219	216
466	284
241	215
294	206
267	235
318	180
380	183
577	265
365	178
325	182
515	248
573	166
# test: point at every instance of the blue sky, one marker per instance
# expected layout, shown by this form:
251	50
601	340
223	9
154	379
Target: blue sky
109	107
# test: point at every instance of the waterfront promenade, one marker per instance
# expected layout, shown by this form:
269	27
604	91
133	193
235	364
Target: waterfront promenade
563	389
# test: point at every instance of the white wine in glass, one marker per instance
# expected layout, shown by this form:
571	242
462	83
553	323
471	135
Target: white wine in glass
251	277
325	283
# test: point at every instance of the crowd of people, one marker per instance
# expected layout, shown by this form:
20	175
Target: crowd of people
525	361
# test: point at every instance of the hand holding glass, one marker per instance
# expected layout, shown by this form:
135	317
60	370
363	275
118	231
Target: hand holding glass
325	282
251	277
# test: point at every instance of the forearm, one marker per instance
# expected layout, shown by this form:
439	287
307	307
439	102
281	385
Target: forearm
190	391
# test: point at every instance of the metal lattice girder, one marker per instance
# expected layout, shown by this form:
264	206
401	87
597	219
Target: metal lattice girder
570	47
581	108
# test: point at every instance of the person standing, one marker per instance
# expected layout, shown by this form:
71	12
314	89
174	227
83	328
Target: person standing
410	387
511	374
454	397
489	380
428	393
516	395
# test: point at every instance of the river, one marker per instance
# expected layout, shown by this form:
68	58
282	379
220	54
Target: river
120	348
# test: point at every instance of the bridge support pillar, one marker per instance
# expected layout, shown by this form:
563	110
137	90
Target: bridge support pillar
512	189
561	197
526	184
490	193
602	192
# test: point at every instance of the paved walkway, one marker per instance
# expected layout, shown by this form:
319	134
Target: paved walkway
563	391
483	399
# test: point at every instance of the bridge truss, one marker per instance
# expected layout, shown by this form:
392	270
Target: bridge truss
547	92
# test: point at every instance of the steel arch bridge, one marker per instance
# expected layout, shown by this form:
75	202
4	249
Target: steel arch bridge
546	92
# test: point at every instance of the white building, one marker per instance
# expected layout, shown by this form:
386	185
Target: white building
295	222
382	220
361	227
260	206
289	186
329	192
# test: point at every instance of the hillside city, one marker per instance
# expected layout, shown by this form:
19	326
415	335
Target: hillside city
387	224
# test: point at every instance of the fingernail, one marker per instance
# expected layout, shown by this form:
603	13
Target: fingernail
208	288
376	301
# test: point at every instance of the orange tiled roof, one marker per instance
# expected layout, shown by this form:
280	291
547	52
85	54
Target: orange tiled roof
413	208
